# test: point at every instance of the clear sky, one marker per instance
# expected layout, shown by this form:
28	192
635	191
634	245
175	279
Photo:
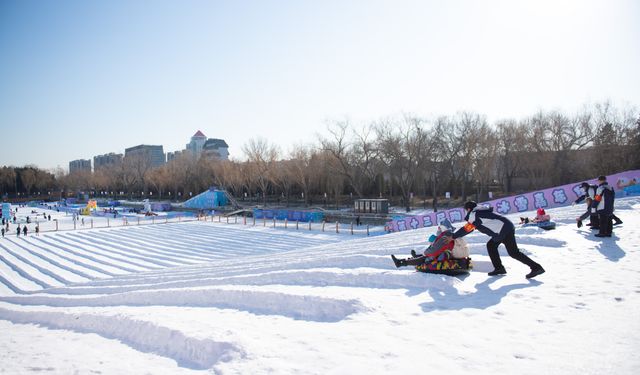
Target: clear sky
83	78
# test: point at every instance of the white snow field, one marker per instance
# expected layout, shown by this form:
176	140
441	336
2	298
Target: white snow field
208	297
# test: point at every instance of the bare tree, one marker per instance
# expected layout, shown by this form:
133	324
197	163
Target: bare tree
159	179
402	150
261	157
512	142
8	179
28	179
301	170
177	170
340	148
283	177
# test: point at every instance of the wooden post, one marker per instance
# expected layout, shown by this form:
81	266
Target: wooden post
91	223
367	229
138	221
254	220
285	223
227	219
352	228
244	220
337	230
219	219
309	224
236	219
57	224
274	221
297	222
323	225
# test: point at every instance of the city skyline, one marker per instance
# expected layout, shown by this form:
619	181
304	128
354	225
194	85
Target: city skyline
80	79
208	147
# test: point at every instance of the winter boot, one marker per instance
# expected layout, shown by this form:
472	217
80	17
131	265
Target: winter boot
535	272
398	262
580	223
497	271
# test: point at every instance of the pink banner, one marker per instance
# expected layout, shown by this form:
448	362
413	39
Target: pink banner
547	198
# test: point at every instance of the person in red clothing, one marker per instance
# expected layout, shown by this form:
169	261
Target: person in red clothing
441	248
541	216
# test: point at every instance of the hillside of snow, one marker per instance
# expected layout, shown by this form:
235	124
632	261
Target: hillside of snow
206	297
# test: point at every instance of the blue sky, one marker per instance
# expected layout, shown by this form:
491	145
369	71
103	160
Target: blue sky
83	78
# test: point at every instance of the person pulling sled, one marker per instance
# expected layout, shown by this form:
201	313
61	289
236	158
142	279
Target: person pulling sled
502	231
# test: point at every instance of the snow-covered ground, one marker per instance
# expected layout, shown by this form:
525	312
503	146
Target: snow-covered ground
207	297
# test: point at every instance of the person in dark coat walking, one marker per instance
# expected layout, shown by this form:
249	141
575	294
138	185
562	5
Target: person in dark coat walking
604	199
24	230
502	231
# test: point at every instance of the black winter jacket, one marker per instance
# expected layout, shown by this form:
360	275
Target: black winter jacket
486	221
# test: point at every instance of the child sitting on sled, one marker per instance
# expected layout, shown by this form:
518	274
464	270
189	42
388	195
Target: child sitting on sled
442	247
541	216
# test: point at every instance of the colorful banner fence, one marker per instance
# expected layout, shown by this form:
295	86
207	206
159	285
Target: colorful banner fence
291	215
625	183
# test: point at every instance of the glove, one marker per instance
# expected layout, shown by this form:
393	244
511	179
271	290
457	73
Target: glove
579	223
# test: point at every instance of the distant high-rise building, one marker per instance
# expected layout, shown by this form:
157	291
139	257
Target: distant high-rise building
80	165
153	154
216	148
173	155
101	161
196	144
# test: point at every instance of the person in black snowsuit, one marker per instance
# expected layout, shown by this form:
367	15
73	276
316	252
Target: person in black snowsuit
589	195
604	200
502	231
24	230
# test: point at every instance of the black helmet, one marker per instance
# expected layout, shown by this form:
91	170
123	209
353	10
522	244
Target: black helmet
584	185
470	205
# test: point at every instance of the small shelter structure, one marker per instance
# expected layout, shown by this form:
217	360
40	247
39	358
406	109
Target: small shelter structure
371	206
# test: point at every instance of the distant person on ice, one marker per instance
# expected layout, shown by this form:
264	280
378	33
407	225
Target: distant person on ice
502	231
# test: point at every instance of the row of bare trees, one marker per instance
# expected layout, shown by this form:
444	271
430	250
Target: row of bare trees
400	157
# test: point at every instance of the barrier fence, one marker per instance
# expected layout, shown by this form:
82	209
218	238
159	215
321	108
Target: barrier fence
80	222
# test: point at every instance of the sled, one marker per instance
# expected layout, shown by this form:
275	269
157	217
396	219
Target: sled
546	225
450	267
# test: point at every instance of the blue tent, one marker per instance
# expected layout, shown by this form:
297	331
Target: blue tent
210	199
